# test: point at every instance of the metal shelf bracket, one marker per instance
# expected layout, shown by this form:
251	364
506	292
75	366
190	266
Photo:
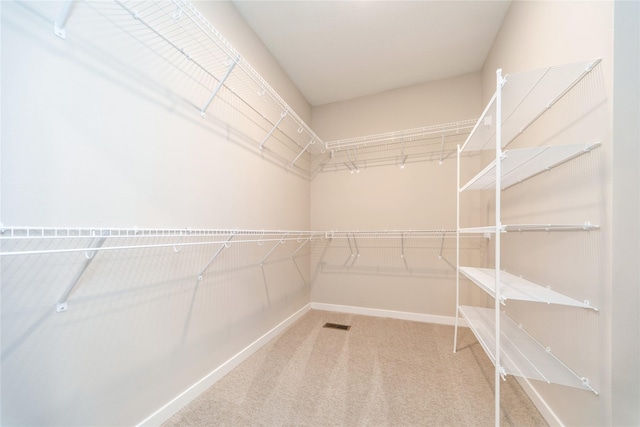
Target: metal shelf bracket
224	245
62	304
232	64
273	129
61	22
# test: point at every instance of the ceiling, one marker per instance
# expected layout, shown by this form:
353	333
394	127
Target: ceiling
339	50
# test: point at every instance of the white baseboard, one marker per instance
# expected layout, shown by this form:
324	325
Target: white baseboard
184	398
545	410
376	312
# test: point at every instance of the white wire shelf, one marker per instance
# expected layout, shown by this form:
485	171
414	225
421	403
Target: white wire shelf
436	142
525	97
586	226
209	74
520	354
521	164
516	288
138	238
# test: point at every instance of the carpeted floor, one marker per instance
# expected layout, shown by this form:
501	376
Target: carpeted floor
382	372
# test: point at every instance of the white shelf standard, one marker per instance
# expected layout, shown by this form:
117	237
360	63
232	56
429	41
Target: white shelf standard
516	288
523	163
520	354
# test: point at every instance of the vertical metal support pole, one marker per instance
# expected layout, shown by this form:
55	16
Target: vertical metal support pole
224	245
282	116
455	333
61	22
62	302
219	86
498	367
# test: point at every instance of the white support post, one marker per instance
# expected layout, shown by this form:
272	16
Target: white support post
455	333
61	22
219	86
498	367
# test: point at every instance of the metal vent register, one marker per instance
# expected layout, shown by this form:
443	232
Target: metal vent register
337	326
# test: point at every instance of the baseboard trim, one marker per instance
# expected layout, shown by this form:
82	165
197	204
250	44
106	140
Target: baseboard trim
401	315
545	410
184	398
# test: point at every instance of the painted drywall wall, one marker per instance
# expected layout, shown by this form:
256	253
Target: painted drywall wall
96	132
420	196
535	35
625	299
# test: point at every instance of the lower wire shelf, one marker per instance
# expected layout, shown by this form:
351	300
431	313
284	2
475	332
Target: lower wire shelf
520	354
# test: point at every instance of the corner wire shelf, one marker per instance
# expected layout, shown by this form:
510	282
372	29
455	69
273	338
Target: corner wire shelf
216	79
520	99
436	142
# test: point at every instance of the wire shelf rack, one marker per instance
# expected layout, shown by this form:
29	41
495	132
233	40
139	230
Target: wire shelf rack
436	142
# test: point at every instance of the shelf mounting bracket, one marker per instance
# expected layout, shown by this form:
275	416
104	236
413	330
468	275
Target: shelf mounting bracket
62	304
273	129
280	242
224	245
61	22
232	64
313	141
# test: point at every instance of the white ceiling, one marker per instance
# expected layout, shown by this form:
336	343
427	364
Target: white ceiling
338	50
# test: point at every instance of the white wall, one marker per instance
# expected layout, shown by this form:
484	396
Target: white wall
625	307
420	197
97	132
578	264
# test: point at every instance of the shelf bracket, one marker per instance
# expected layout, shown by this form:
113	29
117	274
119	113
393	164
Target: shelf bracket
273	129
300	247
404	260
281	242
313	141
61	22
441	150
224	245
219	86
62	304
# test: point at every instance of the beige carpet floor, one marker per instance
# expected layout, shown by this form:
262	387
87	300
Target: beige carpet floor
382	372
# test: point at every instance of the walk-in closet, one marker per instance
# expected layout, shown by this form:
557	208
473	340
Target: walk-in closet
319	213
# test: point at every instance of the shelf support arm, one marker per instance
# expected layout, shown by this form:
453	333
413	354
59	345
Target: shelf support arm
313	141
224	245
62	302
404	260
61	22
300	247
281	242
273	129
220	84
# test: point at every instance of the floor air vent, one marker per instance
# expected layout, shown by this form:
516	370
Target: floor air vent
337	326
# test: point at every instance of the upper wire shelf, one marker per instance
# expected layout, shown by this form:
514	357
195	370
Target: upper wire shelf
436	142
525	97
211	76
